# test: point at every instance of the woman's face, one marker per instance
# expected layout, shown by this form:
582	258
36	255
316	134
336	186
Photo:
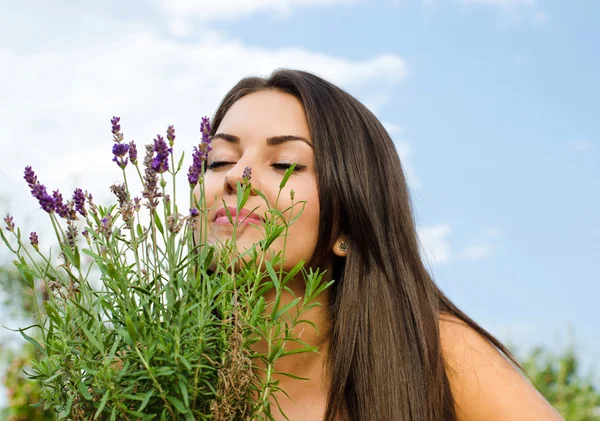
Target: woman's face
266	131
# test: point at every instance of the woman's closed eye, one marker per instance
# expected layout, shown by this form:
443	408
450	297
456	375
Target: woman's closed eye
278	165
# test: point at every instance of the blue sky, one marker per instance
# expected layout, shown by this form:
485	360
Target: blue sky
492	105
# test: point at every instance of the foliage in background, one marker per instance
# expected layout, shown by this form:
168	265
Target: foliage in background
21	392
556	376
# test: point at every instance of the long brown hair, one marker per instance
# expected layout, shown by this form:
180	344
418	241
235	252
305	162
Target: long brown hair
385	359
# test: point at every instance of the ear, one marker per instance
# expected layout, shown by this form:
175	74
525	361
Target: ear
341	246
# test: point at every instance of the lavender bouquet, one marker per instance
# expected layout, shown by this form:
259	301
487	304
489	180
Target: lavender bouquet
139	318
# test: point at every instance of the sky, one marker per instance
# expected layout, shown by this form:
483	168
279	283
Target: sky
492	105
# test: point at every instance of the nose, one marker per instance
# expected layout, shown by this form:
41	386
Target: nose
236	174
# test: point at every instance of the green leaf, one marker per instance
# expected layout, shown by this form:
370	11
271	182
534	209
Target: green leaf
102	404
29	338
177	404
66	249
26	273
273	275
287	175
227	212
286	308
180	161
158	223
131	328
261	194
146	399
67	410
84	391
91	254
184	393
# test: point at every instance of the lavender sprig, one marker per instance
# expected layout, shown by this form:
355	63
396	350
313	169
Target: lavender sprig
33	239
171	135
116	129
247	174
160	163
200	153
133	153
59	207
79	200
10	225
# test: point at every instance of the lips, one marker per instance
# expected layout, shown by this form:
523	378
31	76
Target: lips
221	216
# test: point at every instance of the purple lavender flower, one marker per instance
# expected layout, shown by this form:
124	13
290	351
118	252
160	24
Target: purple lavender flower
196	168
150	180
136	206
59	207
160	163
116	129
133	153
10	225
46	201
194	212
79	200
33	239
205	129
105	227
200	153
171	135
247	173
119	150
72	235
30	177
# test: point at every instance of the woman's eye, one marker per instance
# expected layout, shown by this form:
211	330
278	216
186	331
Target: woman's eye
217	164
279	166
284	166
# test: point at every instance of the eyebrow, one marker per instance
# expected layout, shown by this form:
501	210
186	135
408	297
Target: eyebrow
271	141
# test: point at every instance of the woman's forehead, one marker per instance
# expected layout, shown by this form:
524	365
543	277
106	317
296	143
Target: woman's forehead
265	114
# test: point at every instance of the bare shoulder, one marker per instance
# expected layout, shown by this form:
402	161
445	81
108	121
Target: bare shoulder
485	385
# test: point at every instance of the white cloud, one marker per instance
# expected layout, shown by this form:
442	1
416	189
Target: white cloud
435	247
477	252
179	13
392	128
60	94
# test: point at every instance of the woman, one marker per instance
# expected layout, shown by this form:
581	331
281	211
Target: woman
392	345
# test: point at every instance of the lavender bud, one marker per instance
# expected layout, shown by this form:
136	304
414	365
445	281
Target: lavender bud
136	206
46	201
30	177
10	225
33	239
195	168
160	163
171	135
116	129
133	153
247	173
79	200
71	235
205	129
59	207
194	212
105	227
